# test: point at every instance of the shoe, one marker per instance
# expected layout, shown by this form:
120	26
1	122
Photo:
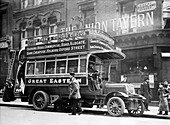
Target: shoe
79	113
166	113
147	110
73	113
159	114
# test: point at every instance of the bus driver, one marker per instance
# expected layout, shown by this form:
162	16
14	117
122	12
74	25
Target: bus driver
93	76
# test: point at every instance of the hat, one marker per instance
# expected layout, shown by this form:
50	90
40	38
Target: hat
146	78
72	73
165	84
160	86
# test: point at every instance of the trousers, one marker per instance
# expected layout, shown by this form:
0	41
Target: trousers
75	105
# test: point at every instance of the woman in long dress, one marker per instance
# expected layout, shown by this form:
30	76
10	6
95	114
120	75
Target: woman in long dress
163	99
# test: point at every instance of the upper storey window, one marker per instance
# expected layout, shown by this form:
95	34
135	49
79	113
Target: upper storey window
37	2
89	16
31	3
166	14
127	7
53	0
24	4
53	29
88	11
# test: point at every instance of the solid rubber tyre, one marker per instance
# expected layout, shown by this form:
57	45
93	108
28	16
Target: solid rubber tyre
40	100
139	112
115	106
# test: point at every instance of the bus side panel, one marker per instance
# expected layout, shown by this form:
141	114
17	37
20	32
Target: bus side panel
52	86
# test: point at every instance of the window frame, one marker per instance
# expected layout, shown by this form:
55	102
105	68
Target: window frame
30	62
63	66
73	59
88	17
35	31
56	60
53	26
43	69
54	70
123	4
23	32
24	4
37	2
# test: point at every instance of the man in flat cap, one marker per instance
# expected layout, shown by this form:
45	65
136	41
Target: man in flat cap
74	96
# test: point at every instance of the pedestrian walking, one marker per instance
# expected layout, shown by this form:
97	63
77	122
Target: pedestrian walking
145	91
163	98
74	96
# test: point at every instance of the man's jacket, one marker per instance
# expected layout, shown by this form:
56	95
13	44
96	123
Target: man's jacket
74	89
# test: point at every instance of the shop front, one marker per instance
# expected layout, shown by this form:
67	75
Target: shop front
147	54
3	61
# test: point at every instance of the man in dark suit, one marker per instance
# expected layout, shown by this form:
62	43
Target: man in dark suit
146	92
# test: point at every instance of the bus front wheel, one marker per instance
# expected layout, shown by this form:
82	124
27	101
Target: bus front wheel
115	106
40	100
139	111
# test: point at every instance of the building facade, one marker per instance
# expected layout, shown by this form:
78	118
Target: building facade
141	28
5	38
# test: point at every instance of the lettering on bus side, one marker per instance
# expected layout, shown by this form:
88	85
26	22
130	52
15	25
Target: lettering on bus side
57	48
52	80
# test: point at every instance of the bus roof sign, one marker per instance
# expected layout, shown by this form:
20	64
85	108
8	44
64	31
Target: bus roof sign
70	42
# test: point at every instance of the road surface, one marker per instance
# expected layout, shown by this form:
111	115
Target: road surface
10	115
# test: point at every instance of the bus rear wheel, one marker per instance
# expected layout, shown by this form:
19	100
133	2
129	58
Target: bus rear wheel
40	100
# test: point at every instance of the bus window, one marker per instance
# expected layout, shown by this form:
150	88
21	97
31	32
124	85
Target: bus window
30	68
61	66
50	67
72	66
39	68
82	65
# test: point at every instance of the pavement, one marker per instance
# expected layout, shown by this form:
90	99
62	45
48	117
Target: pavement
151	114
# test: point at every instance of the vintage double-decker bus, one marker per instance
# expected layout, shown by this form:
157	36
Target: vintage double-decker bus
43	74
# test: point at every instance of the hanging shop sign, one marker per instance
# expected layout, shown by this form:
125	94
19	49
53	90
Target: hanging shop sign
148	6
